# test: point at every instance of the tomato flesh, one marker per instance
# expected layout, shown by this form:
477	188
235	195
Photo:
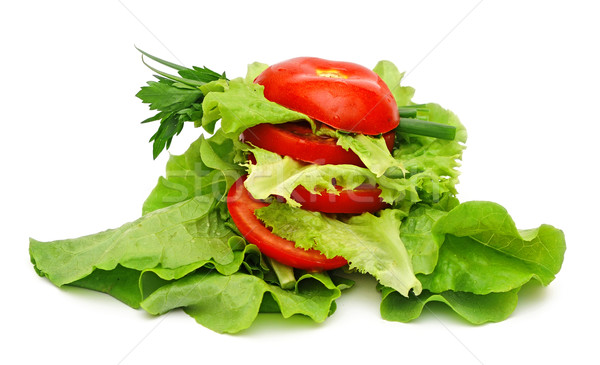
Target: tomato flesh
241	206
297	141
344	95
365	198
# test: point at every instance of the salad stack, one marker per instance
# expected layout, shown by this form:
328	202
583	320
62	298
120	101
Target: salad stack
306	171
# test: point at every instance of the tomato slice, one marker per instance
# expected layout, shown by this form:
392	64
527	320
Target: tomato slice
365	198
344	95
241	206
297	141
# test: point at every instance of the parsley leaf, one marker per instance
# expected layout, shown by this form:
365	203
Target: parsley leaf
178	99
163	96
201	74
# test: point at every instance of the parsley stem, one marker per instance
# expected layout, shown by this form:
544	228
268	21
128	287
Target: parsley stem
163	62
189	82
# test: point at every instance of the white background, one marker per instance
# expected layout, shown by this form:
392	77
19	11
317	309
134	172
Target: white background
522	75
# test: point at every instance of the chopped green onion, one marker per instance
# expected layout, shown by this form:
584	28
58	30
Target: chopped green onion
426	128
407	112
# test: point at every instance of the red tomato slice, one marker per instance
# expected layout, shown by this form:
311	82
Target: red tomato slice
297	141
241	206
344	95
364	198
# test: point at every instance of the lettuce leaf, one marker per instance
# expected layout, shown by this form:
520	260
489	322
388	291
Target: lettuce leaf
181	238
243	105
484	260
280	175
171	237
422	245
371	244
208	167
373	152
483	252
476	309
185	252
231	303
432	163
390	74
131	286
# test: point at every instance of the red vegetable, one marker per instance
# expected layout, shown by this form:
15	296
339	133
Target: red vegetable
343	95
241	206
364	198
297	141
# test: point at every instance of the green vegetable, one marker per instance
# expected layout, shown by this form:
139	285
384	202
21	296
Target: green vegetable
243	105
432	163
483	262
429	129
392	77
235	300
474	308
483	252
280	175
370	244
373	152
178	99
185	252
179	235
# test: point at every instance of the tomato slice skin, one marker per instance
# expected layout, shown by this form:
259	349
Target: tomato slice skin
241	206
365	198
297	141
344	95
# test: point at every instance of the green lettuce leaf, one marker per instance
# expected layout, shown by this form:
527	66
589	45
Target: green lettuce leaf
476	309
373	152
243	105
121	283
231	303
483	252
422	245
280	175
131	286
483	260
136	259
172	237
432	163
254	69
371	244
208	167
392	77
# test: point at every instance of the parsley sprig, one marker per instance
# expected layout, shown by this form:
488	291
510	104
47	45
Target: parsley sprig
178	99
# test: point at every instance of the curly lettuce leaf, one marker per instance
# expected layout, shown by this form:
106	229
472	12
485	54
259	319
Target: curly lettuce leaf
373	152
243	105
432	163
371	244
229	304
422	245
280	175
208	167
390	74
254	69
